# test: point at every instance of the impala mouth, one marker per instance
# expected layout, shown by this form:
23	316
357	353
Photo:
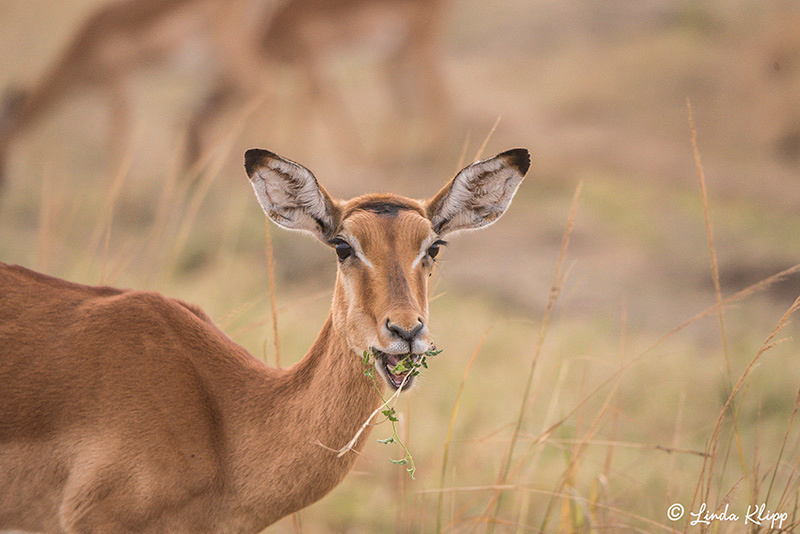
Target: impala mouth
405	374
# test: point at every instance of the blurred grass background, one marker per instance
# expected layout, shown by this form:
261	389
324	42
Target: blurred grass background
597	92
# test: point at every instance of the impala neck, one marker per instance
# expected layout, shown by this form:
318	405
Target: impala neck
329	387
305	411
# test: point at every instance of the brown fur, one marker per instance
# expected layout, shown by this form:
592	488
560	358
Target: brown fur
126	411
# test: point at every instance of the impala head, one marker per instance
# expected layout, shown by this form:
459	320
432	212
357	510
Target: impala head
386	245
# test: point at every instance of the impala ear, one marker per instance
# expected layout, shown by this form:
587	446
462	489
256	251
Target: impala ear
290	195
479	194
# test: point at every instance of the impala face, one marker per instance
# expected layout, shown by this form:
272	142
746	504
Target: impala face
386	249
386	245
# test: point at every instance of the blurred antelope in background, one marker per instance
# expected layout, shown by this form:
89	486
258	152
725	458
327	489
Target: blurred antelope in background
126	411
248	40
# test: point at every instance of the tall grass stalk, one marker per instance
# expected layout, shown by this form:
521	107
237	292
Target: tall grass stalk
578	450
780	454
149	244
216	162
546	434
401	510
272	305
44	237
710	236
449	437
102	230
717	292
479	153
711	450
555	290
676	438
655	525
462	155
192	208
168	199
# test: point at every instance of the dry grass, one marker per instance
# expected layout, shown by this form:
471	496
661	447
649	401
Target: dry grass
588	403
569	508
501	474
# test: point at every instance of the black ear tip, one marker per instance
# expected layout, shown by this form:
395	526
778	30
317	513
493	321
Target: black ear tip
254	158
520	158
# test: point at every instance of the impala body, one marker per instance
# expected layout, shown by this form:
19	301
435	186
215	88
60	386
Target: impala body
127	411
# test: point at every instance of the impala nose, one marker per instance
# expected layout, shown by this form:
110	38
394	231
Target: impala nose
406	335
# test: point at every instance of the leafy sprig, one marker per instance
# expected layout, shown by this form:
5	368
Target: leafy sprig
412	368
408	364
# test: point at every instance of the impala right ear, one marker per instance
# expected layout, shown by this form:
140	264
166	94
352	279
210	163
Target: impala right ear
290	194
479	194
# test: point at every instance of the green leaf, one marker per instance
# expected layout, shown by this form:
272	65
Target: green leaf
404	365
402	461
399	368
387	441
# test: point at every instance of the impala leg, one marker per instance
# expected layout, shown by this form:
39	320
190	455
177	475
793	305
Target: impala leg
12	101
434	105
236	37
80	66
329	104
200	132
23	108
419	97
119	118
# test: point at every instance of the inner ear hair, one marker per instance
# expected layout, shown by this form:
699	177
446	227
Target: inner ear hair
479	194
290	194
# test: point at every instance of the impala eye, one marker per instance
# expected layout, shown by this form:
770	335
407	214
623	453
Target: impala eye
343	249
434	249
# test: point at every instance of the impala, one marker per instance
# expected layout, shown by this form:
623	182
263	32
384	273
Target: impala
246	41
126	411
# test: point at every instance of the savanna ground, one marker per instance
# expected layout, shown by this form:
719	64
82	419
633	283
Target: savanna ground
626	411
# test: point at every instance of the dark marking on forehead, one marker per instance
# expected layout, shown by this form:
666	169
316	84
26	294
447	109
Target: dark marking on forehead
383	208
388	206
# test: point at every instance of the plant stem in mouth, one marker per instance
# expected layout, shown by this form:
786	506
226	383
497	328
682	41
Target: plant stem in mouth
390	412
408	367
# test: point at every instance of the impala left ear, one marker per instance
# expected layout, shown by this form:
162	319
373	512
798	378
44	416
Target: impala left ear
479	194
290	194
